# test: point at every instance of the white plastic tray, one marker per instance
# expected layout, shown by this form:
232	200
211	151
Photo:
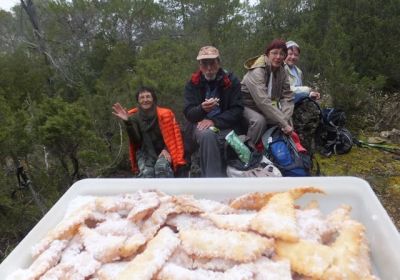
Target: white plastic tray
382	234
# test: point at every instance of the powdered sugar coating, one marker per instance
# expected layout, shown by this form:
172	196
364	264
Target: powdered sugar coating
152	235
189	221
311	225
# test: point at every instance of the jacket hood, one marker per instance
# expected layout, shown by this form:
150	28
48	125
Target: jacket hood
256	62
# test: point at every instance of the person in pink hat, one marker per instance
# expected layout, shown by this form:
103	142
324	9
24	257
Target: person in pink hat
212	107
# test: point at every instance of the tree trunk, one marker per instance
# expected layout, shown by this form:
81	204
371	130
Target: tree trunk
30	10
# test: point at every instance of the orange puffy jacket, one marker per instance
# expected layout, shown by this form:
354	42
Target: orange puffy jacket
172	137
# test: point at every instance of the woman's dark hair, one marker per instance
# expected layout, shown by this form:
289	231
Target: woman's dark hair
146	89
276	44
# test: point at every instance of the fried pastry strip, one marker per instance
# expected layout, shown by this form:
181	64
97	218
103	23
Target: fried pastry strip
296	193
104	248
266	269
351	250
233	245
143	208
174	272
66	229
338	216
62	271
202	205
158	250
216	264
251	201
42	264
125	228
158	218
311	225
306	257
126	201
110	271
238	222
73	268
188	221
132	244
277	219
117	203
115	225
48	258
181	258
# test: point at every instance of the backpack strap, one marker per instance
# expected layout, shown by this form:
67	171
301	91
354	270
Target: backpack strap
290	141
287	139
267	135
327	116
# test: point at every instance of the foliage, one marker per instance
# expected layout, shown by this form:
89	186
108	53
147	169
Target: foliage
169	80
65	129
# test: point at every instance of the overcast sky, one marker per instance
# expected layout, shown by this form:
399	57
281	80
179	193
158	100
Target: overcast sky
7	4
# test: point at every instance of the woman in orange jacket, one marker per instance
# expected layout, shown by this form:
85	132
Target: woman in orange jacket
155	140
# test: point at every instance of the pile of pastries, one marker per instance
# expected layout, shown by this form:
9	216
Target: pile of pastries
153	235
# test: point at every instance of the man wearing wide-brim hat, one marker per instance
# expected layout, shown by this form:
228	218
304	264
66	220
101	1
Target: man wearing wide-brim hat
212	107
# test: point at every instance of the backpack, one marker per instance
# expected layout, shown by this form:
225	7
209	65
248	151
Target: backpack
332	136
258	165
307	117
262	167
282	151
334	117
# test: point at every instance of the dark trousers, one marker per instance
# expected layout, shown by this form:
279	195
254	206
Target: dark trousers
211	146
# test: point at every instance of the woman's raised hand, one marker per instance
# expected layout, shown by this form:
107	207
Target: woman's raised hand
120	112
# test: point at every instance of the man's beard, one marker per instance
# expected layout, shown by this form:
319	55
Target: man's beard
212	78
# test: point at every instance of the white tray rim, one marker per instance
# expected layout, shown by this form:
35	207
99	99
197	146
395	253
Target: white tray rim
381	232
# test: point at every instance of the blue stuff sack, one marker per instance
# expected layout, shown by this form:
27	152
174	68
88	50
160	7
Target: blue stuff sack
282	151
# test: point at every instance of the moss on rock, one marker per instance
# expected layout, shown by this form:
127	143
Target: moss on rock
381	169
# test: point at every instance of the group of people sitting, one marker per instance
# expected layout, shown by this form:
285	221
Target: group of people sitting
215	103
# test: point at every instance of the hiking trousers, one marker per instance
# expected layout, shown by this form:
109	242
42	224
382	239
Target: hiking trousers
211	145
153	168
257	124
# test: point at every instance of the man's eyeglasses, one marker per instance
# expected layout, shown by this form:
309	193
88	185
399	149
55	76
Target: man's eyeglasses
208	62
277	53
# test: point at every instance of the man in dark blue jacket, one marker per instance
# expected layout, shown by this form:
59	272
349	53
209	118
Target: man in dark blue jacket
213	107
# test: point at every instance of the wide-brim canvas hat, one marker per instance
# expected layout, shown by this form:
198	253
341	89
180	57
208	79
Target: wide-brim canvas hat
208	52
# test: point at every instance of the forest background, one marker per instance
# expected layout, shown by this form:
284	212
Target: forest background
64	63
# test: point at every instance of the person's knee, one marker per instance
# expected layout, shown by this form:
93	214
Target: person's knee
148	172
163	169
205	136
259	123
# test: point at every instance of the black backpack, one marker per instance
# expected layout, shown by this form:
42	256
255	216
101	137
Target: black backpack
334	117
333	138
